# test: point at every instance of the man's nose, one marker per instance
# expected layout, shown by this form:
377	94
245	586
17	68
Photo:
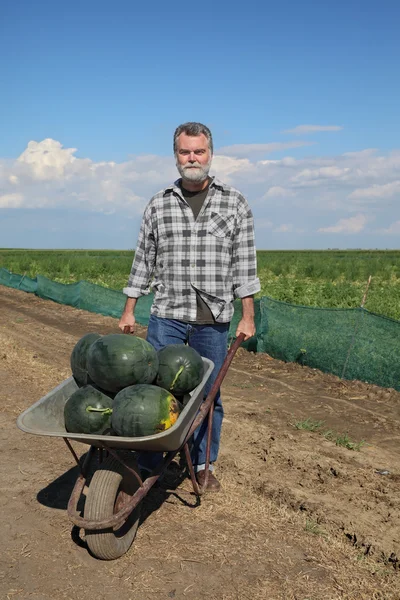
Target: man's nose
192	157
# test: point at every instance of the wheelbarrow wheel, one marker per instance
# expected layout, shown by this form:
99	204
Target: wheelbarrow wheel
111	486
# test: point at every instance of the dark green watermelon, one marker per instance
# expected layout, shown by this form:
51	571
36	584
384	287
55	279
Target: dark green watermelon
180	370
87	411
105	392
79	358
117	360
141	410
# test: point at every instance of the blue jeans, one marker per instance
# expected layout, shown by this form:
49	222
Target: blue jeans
210	341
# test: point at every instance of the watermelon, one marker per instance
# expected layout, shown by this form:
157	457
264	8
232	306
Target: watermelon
79	358
143	409
119	360
87	411
180	370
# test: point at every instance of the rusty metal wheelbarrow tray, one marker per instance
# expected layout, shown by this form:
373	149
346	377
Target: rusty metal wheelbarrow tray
46	417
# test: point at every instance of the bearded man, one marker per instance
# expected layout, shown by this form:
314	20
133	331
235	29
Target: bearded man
196	251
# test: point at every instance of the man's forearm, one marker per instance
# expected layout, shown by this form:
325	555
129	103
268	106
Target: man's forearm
248	307
130	306
246	324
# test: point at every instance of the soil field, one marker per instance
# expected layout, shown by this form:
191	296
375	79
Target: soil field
299	516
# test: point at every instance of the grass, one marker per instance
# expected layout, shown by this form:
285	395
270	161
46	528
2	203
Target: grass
308	425
340	439
312	526
330	279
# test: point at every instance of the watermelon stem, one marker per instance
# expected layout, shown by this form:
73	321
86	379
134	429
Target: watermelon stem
104	411
181	368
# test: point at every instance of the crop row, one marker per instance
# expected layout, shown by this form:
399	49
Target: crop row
334	279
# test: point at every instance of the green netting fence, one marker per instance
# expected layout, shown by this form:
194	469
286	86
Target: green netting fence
351	343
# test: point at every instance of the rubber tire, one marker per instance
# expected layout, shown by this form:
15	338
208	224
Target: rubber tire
107	482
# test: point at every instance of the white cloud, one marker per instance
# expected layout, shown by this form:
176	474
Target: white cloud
226	166
393	229
386	190
304	129
50	176
11	200
309	177
351	225
284	228
352	188
251	149
276	191
47	159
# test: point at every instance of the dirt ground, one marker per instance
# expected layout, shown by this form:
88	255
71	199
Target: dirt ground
299	517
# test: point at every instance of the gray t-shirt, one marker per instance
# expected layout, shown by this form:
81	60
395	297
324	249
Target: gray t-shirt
196	201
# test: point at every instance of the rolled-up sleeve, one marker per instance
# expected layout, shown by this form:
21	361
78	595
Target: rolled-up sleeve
244	258
144	260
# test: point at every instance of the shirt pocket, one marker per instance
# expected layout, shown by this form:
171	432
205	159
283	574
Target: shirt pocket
221	227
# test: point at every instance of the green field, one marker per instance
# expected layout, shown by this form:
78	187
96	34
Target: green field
332	278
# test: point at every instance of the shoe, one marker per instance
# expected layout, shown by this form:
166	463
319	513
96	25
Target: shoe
213	485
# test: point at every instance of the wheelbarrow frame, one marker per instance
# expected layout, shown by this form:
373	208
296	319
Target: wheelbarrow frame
101	445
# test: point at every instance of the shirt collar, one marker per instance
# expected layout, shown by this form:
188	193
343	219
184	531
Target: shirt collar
213	183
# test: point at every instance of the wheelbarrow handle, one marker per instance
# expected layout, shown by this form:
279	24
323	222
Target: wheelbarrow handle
204	408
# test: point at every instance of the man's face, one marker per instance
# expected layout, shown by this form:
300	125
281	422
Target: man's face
193	157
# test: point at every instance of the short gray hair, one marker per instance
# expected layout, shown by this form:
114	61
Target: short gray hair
194	129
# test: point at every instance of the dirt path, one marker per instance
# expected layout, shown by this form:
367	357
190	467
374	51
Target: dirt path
299	517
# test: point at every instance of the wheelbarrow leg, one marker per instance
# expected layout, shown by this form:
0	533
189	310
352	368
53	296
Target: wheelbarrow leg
83	468
196	487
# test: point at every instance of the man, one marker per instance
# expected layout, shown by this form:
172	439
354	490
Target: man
196	251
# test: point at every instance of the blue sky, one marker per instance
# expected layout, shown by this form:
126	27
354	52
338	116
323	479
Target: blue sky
302	99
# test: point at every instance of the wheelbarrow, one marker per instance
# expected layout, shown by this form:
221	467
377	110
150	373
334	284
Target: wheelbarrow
113	497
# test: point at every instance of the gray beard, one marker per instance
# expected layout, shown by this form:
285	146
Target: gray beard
194	173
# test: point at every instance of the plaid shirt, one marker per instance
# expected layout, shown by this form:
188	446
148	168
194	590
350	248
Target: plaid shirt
177	256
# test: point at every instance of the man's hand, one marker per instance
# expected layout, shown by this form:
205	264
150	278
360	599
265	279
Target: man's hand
247	327
127	320
128	316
